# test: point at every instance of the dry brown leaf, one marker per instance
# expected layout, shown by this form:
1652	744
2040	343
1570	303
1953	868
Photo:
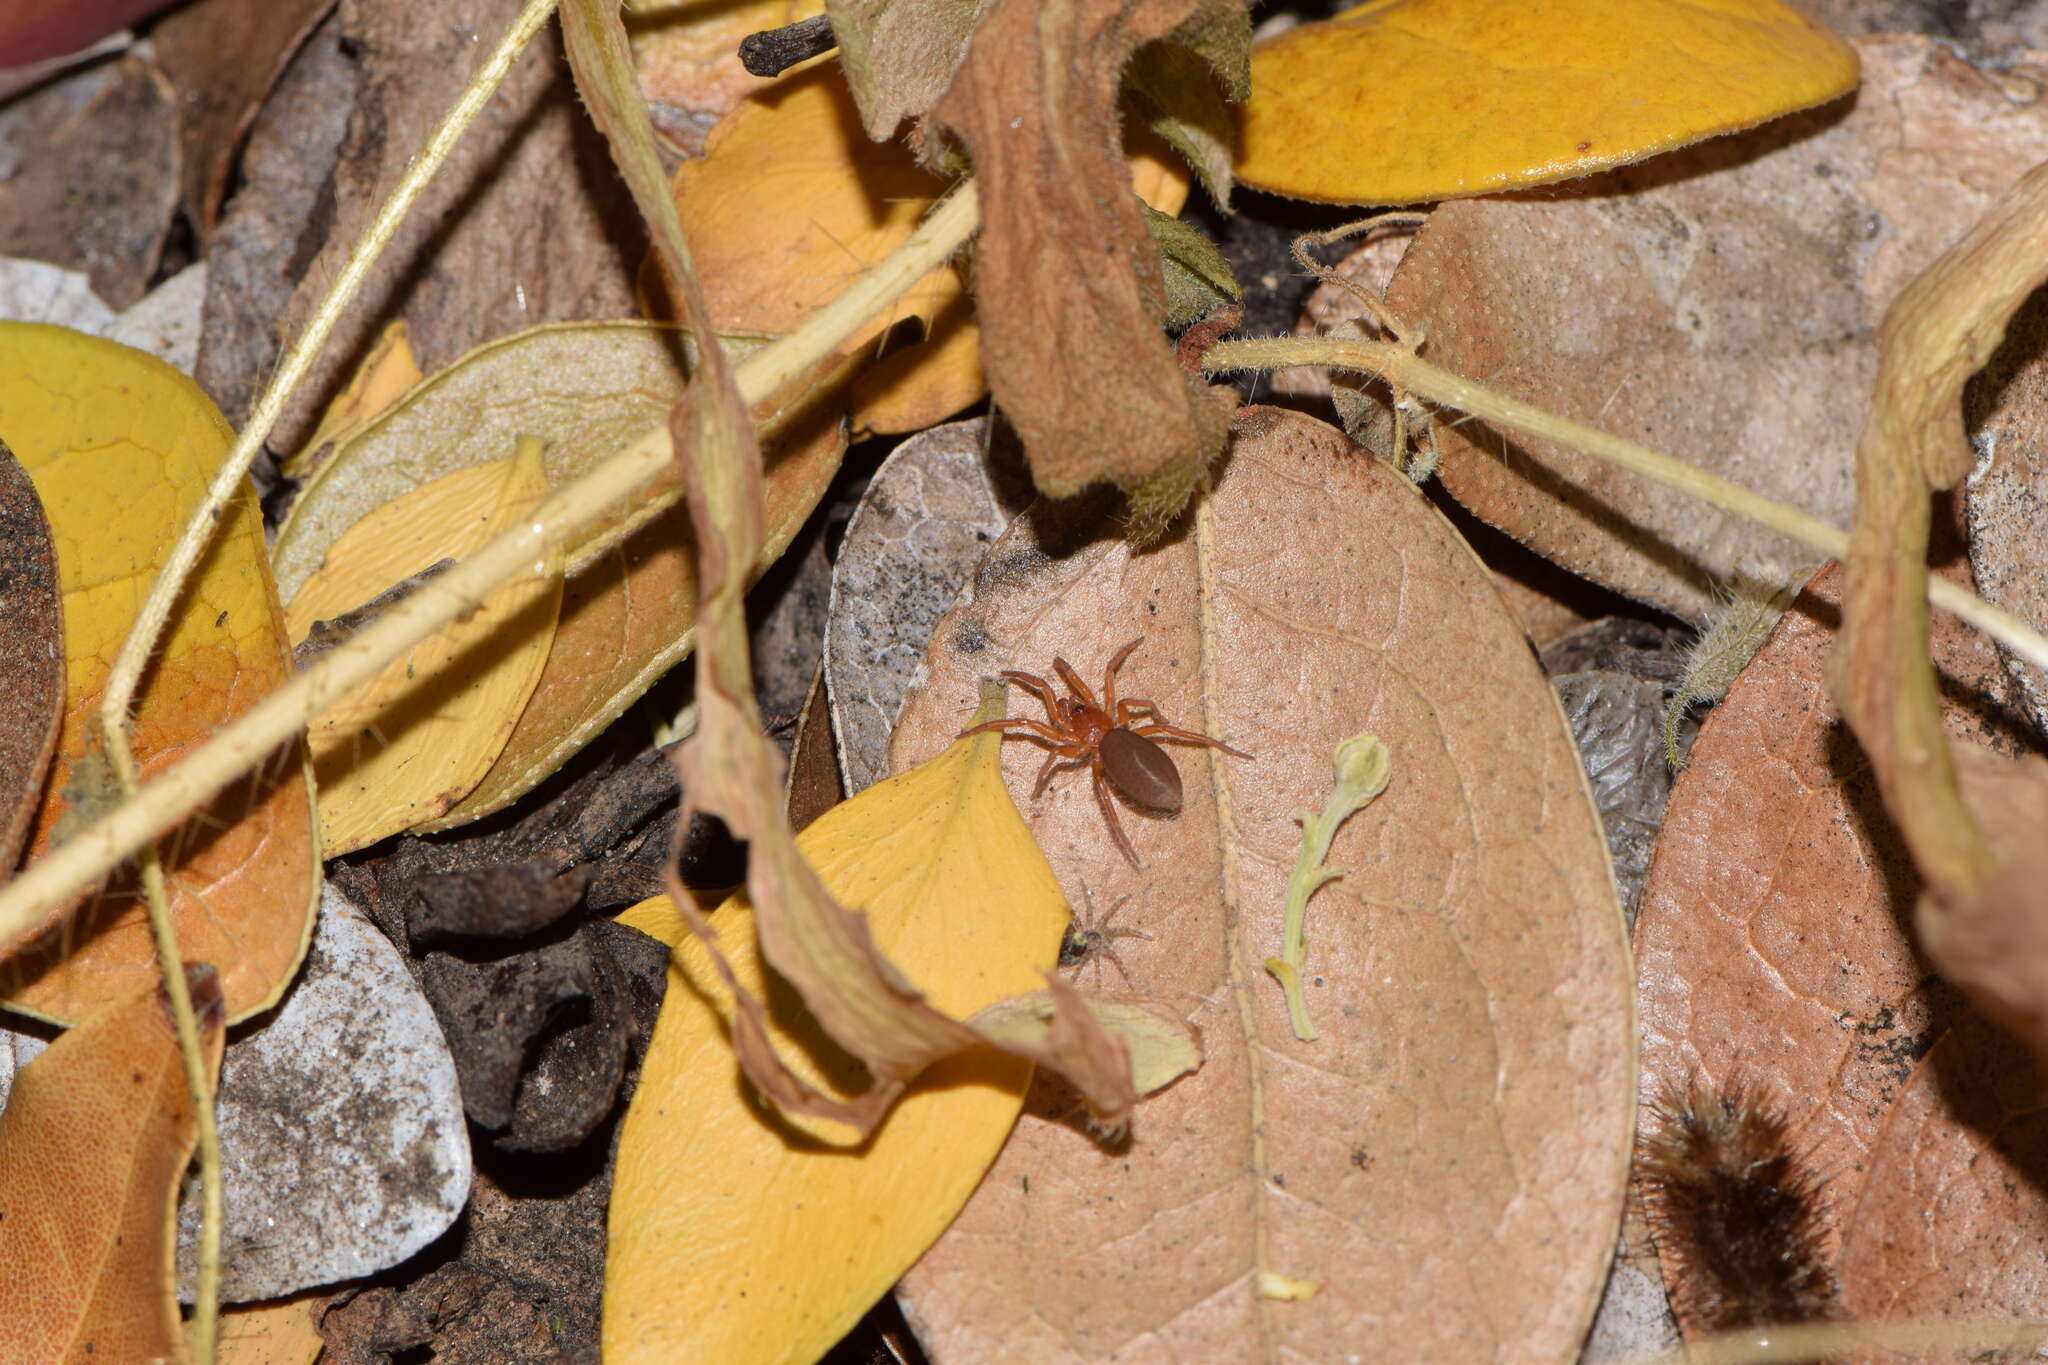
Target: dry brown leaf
1459	1136
1742	280
900	55
222	57
813	785
627	610
93	1143
31	656
110	219
1773	945
512	231
1068	290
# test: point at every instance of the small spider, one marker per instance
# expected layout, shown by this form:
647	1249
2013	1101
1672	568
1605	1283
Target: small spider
1114	739
1092	940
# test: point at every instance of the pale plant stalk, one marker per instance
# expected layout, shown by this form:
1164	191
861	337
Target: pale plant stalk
1398	365
115	710
238	746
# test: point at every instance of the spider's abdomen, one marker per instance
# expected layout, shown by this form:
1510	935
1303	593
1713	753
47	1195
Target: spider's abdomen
1141	772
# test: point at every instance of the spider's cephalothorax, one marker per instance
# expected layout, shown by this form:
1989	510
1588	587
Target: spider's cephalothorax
1116	740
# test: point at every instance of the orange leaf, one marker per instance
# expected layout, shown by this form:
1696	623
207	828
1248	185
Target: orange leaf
93	1143
121	447
1400	101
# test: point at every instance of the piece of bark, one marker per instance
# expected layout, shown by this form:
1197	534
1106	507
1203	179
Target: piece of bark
31	656
1774	947
911	547
813	786
222	57
1742	280
525	223
1446	1161
89	175
1068	289
277	220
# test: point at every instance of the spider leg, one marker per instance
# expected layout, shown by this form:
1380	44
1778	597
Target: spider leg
1116	661
1038	687
1073	681
1130	710
1116	829
1026	729
1053	761
1162	730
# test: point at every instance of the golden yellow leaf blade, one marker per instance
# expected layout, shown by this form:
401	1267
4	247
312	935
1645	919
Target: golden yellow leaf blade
732	1237
121	447
419	738
1400	101
387	373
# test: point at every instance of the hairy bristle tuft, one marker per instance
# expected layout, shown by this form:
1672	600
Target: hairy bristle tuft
1736	1211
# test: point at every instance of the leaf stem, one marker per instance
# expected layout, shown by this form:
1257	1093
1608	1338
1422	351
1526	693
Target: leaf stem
116	706
1401	366
238	746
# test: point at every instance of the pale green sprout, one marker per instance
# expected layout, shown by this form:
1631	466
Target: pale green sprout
1363	770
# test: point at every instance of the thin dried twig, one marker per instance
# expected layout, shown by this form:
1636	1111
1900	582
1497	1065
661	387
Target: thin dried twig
1398	365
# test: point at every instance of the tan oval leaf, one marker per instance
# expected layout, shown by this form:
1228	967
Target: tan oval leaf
629	604
407	746
1447	1162
1719	303
1773	947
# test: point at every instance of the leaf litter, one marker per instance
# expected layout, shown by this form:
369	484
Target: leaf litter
1469	974
1746	277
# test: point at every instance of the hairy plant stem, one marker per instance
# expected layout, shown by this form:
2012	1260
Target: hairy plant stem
1398	365
238	746
116	708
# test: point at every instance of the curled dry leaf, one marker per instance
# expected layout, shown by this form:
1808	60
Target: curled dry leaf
1396	103
31	656
629	604
1744	279
410	744
1774	947
900	55
765	269
93	1141
121	448
732	1237
1984	898
1068	289
1459	1135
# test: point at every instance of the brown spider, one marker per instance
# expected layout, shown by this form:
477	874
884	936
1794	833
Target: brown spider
1113	739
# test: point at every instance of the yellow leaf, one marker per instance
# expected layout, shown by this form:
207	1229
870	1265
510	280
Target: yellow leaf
381	380
629	606
733	1238
280	1332
765	268
121	447
418	738
1400	101
93	1143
